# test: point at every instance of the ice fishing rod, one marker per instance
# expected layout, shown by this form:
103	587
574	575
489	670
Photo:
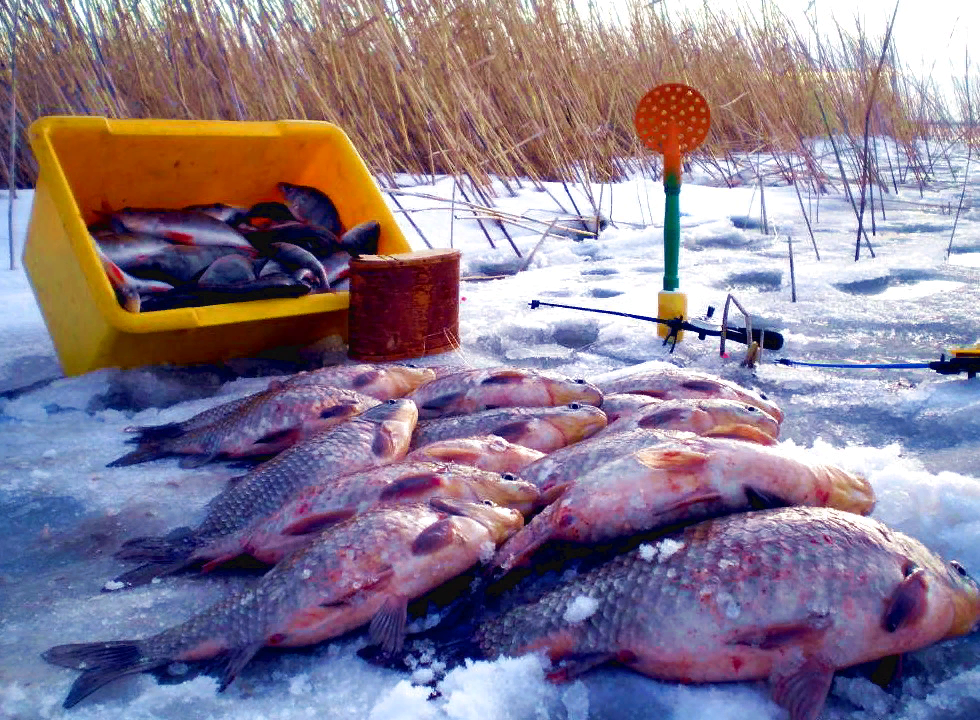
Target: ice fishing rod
964	359
768	339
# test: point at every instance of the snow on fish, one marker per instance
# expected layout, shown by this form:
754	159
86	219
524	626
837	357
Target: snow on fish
686	478
787	595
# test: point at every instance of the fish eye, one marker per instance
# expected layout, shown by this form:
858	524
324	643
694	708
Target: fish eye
575	406
392	401
959	568
763	396
491	503
751	408
508	476
579	381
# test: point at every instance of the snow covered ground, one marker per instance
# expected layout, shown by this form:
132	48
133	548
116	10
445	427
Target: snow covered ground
913	432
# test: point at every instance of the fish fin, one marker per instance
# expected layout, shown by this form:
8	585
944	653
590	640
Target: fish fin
156	432
440	403
179	237
82	656
197	460
365	378
571	666
384	441
411	485
215	563
318	521
908	601
342	410
762	500
505	377
280	439
232	661
512	432
438	535
147	573
803	692
143	453
388	624
809	630
663	416
156	549
550	494
669	458
701	386
102	662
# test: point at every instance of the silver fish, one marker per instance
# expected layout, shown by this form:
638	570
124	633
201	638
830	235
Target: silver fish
687	478
282	417
468	391
316	507
540	428
363	571
312	206
185	227
378	436
669	382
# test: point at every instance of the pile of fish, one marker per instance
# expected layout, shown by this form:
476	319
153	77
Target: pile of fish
703	549
159	259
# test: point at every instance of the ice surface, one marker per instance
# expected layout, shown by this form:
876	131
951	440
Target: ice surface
914	433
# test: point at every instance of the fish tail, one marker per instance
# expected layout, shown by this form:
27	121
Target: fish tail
148	572
144	453
101	663
148	433
159	555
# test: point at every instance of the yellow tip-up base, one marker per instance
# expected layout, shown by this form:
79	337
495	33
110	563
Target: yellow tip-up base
671	304
965	350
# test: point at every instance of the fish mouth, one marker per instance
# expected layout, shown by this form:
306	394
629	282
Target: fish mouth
500	522
579	392
966	613
767	407
850	492
409	379
580	424
741	431
518	494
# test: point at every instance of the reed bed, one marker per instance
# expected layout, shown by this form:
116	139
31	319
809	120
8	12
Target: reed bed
520	91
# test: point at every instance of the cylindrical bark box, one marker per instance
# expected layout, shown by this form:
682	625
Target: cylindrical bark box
404	305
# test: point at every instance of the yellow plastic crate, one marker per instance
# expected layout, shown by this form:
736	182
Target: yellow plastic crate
89	163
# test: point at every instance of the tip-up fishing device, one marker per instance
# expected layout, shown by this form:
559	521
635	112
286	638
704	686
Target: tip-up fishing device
672	119
702	327
964	358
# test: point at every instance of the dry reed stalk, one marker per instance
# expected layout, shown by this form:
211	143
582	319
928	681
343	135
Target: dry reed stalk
468	88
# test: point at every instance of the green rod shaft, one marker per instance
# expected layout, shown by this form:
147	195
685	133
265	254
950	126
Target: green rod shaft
672	229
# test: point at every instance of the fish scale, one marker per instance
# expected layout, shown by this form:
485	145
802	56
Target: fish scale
345	448
540	428
375	437
366	569
790	595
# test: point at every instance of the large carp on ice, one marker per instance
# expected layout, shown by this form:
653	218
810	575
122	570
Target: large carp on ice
789	595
